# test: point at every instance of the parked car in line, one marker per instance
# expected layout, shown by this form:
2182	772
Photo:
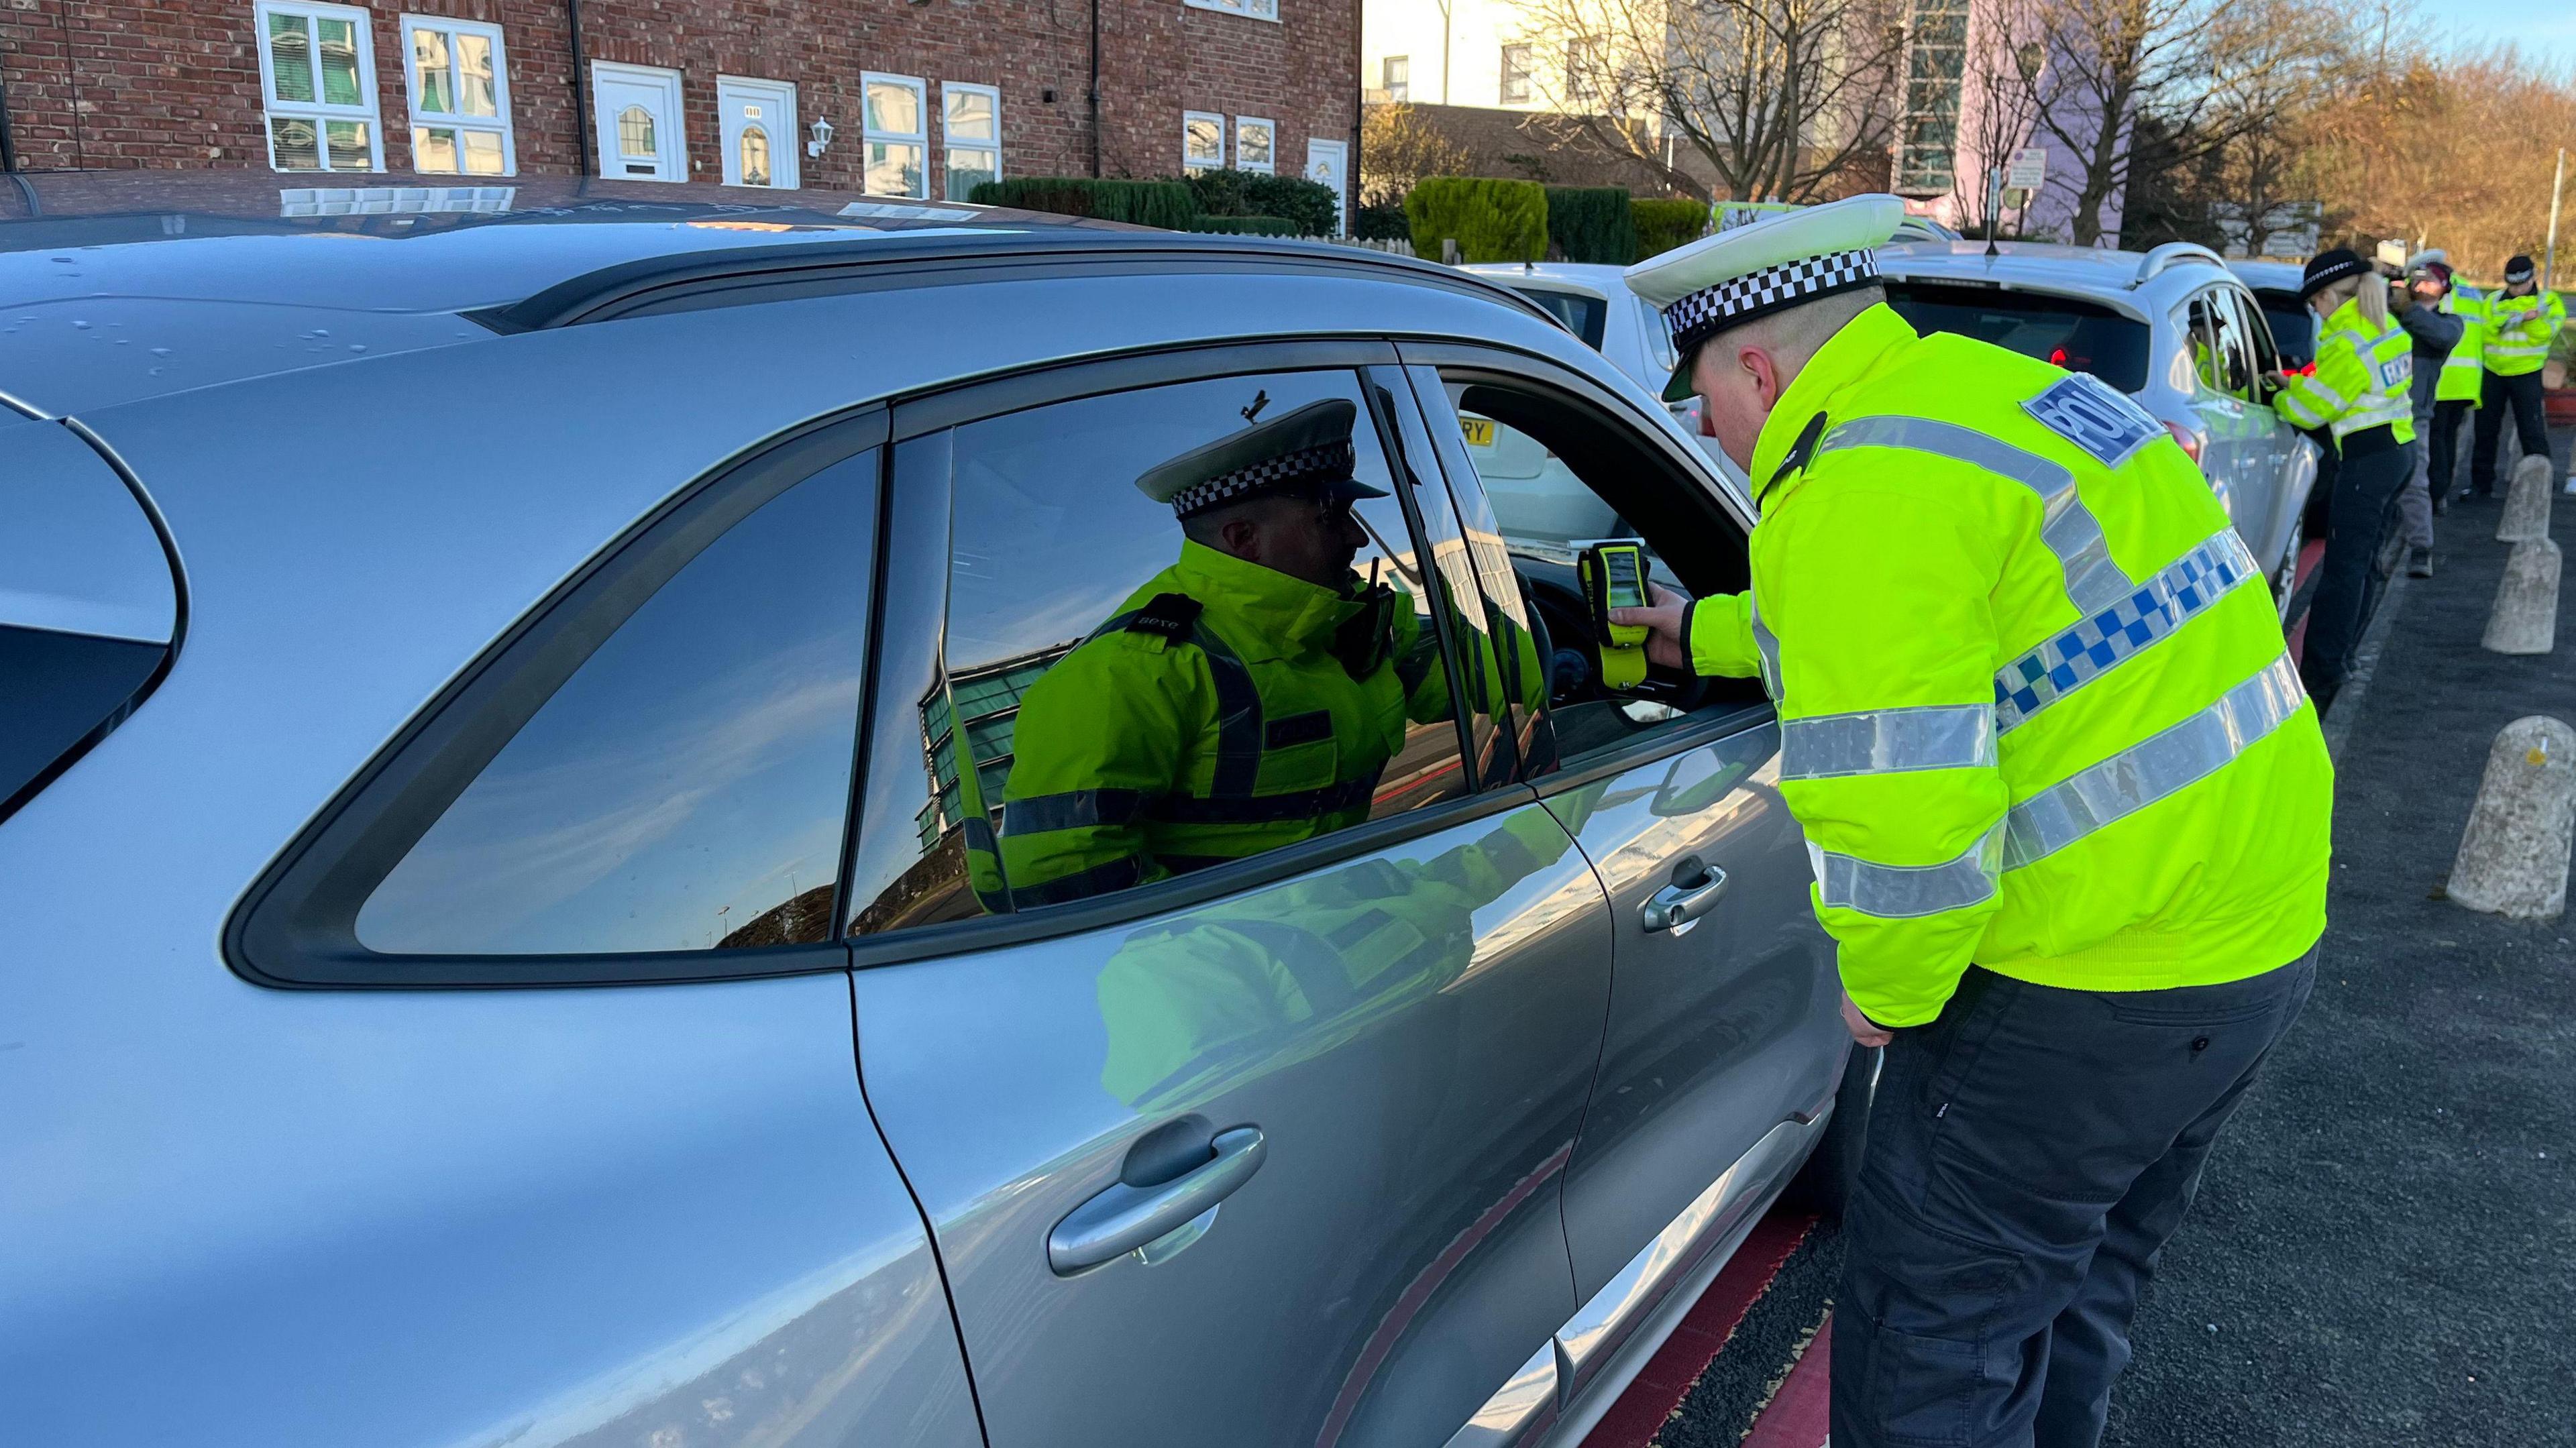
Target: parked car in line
2173	328
503	681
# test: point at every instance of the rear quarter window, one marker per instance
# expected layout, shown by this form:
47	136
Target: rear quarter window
1584	316
2070	332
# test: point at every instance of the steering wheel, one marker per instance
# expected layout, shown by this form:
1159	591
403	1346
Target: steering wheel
1561	626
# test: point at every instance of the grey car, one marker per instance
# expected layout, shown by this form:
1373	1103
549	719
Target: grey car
2172	327
506	687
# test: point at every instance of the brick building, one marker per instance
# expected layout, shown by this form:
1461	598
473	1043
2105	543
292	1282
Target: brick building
907	97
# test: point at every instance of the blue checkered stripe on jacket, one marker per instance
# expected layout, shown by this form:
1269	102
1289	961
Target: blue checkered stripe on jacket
2184	590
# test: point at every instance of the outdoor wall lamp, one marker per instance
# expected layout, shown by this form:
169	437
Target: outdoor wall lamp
822	132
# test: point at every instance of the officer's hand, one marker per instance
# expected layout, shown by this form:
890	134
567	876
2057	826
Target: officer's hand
1664	642
1864	1031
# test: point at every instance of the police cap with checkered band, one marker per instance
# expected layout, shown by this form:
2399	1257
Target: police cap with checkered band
1306	451
1768	266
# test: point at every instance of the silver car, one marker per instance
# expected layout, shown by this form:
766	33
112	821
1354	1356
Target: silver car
2172	327
503	682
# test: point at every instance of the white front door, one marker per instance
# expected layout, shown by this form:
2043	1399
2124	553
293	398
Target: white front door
758	122
1329	162
638	112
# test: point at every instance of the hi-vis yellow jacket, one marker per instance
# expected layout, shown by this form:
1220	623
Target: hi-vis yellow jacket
2520	329
2462	379
2036	714
2364	378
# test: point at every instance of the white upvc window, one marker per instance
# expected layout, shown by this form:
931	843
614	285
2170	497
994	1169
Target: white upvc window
970	136
460	97
1256	145
1202	141
1395	73
896	121
317	80
1251	9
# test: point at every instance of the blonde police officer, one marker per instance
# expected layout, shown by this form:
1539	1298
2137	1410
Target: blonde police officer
2066	802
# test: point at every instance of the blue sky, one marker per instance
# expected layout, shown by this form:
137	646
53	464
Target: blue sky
2545	31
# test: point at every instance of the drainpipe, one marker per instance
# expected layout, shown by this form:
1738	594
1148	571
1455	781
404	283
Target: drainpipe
581	94
8	143
1095	89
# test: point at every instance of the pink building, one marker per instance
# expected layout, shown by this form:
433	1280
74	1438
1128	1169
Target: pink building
1976	79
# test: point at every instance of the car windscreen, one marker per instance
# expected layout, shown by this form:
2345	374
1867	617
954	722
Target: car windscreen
1583	315
2077	335
2294	327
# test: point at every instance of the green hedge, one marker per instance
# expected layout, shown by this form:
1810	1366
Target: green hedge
1663	225
1246	225
1227	192
1491	220
1145	203
1592	223
1381	223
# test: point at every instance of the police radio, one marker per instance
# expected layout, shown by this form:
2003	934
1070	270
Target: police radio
1613	575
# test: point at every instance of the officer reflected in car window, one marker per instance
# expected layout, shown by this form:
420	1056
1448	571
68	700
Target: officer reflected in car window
1251	694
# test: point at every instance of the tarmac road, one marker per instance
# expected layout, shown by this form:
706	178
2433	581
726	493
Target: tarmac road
2384	1249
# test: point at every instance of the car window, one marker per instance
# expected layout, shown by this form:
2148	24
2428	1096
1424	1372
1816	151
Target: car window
2075	334
2294	329
2221	357
2261	356
1659	338
1541	476
1122	699
685	788
1583	314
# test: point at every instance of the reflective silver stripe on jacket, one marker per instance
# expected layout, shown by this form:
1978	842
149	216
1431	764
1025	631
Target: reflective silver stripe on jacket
1769	647
2148	771
1904	892
2069	528
1888	741
2188	587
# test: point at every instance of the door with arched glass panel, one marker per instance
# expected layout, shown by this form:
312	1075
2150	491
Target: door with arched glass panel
637	109
758	122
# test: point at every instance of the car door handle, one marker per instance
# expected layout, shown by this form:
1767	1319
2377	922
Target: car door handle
1124	1218
1693	893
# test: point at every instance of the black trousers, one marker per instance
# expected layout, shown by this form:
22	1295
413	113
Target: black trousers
2442	446
2348	577
2522	394
2029	1153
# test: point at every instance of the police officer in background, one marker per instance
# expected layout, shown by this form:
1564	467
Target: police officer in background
1247	697
2422	306
2521	322
2067	805
2362	392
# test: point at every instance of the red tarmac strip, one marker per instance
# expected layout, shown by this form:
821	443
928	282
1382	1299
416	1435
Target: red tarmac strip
1798	1415
1642	1410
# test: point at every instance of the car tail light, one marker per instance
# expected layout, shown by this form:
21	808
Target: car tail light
2189	439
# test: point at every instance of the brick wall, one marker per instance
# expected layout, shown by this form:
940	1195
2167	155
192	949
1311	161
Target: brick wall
119	83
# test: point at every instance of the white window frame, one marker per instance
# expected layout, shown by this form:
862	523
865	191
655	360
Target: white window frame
868	134
992	93
1387	81
1187	164
1248	9
316	110
1267	168
1526	69
459	121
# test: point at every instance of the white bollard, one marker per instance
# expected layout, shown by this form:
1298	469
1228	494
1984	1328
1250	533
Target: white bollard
2526	503
2525	618
2513	855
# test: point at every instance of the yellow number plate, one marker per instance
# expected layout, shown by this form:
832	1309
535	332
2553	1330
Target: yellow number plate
1479	430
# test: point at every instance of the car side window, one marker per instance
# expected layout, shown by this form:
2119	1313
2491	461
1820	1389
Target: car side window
1541	475
2220	355
1186	625
683	789
2257	333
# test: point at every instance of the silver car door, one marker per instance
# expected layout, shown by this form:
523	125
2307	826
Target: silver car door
384	1206
1724	1044
1269	1152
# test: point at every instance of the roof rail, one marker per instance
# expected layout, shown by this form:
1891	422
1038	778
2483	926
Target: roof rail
732	276
2174	253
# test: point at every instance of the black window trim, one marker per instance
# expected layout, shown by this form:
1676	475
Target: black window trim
1545	373
295	926
926	420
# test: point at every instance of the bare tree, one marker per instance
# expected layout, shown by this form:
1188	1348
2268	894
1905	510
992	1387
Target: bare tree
1777	100
1998	100
2199	72
1399	148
